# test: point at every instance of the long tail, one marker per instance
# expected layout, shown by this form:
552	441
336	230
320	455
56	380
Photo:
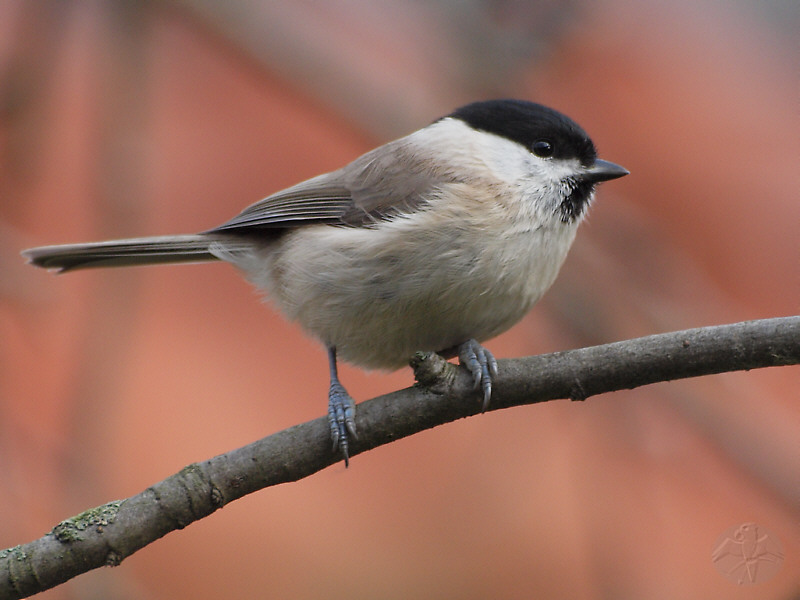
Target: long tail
123	253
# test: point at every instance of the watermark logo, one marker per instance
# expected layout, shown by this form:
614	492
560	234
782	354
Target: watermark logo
747	554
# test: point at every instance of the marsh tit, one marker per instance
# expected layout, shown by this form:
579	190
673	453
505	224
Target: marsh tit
433	242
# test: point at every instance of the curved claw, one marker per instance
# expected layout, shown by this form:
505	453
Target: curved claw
341	417
481	365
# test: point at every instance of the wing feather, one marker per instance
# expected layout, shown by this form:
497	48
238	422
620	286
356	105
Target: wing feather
376	186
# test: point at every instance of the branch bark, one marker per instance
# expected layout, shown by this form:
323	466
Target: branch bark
107	534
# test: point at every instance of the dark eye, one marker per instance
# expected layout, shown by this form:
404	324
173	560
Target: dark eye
542	148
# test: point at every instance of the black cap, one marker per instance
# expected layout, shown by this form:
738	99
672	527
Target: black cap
526	123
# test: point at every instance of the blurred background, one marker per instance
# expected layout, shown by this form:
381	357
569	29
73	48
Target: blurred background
124	118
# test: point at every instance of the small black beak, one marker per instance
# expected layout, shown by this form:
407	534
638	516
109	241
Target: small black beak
602	170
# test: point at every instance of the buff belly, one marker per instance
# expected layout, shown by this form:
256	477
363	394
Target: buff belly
381	294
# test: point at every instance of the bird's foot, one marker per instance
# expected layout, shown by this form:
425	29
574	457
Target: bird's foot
341	417
482	366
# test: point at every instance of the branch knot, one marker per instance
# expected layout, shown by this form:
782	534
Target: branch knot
433	372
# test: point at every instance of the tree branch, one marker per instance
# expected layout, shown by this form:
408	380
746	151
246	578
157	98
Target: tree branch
108	534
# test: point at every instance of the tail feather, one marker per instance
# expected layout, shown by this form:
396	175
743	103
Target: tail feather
123	253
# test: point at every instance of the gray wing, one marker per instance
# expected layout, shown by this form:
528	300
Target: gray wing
376	186
321	198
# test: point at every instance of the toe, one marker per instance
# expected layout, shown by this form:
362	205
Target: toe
482	365
341	418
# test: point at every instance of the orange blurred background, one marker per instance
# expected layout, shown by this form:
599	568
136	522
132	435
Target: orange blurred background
122	119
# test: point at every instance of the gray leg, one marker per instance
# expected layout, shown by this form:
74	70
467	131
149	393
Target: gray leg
481	364
341	411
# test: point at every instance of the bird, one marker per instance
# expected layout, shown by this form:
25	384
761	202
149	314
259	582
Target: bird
434	242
